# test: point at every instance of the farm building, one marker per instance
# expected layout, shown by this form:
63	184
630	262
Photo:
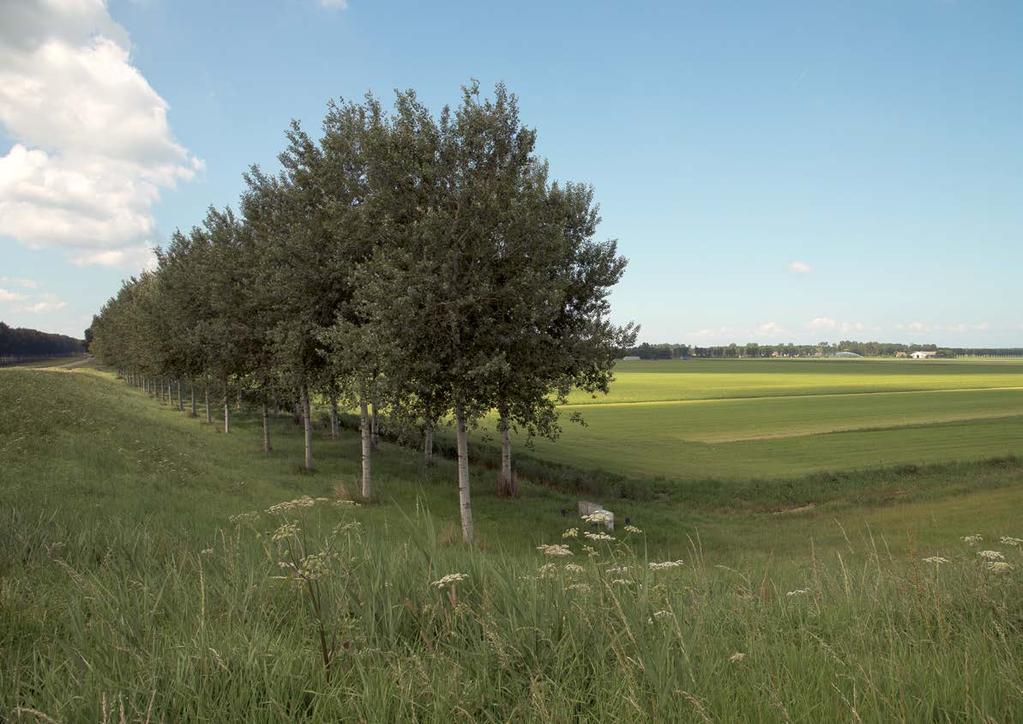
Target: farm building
922	354
848	355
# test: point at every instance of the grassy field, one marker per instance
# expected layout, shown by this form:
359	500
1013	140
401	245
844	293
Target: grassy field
128	593
737	419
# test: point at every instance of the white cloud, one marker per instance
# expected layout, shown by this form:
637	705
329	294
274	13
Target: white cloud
827	324
770	329
335	4
20	282
44	303
92	147
958	327
132	257
9	296
800	267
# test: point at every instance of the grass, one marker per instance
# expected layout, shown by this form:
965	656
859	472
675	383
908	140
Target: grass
737	419
128	593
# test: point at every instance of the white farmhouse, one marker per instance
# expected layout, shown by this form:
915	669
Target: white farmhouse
923	354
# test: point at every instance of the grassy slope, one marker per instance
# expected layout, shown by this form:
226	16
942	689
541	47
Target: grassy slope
123	582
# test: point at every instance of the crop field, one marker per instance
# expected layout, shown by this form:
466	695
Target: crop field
144	577
742	419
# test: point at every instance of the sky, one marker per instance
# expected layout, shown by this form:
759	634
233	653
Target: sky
783	171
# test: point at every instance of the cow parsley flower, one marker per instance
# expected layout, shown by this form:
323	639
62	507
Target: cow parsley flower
250	517
314	566
991	555
571	533
737	657
618	569
598	536
999	567
632	529
937	560
574	568
590	551
599	517
450	579
546	570
1008	540
581	587
664	565
554	549
287	530
972	540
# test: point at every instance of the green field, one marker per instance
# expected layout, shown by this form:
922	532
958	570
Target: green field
127	592
740	419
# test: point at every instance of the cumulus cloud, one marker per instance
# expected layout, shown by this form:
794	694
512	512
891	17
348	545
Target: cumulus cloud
770	329
799	267
927	328
92	147
20	282
9	296
335	4
45	303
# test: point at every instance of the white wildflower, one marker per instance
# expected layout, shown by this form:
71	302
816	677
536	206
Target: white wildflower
999	567
972	539
574	568
736	657
991	555
599	517
1008	540
662	614
288	505
590	551
581	587
546	570
207	551
450	580
554	549
250	517
571	533
598	536
632	529
618	570
663	565
287	530
937	560
314	566
621	582
798	592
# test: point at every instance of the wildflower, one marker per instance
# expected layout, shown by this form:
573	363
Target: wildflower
736	657
632	529
207	551
554	549
571	533
546	570
241	518
991	555
581	587
598	536
599	517
972	539
618	569
798	592
285	531
314	566
655	566
999	567
590	551
1008	540
450	580
937	560
574	568
621	582
304	502
658	615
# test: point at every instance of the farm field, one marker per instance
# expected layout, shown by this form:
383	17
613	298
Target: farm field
131	592
700	419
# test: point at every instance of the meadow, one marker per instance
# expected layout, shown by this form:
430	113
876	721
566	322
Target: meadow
149	573
739	419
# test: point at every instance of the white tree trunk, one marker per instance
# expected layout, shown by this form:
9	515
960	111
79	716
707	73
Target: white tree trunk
506	482
181	405
266	429
191	392
307	424
367	449
428	445
335	431
375	426
206	394
227	411
464	502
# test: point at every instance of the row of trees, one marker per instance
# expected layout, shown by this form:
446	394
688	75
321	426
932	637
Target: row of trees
21	342
421	266
753	349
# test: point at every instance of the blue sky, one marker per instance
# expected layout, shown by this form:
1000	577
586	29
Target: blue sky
790	171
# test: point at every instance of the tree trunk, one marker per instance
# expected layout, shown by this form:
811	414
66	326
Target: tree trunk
464	503
374	426
367	449
191	391
206	394
227	410
428	445
266	429
506	485
335	431
307	424
181	405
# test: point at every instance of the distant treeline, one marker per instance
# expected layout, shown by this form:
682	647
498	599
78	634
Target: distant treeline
821	349
18	344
